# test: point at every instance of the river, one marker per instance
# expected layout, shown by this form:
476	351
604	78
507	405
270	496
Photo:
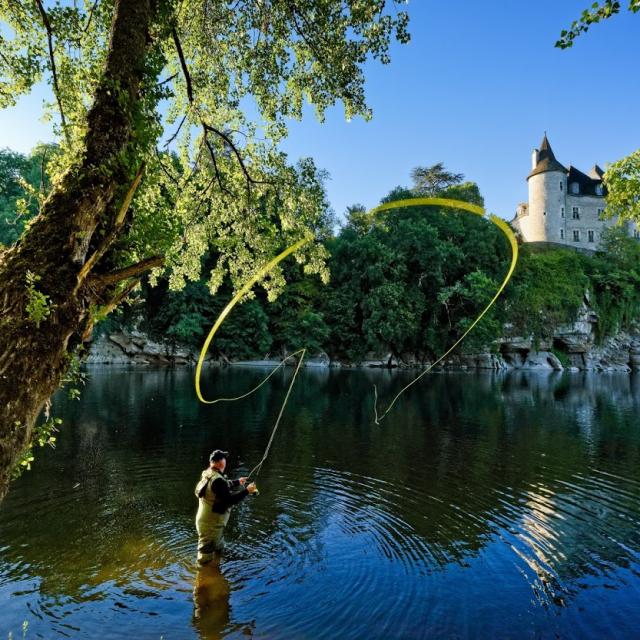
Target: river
498	505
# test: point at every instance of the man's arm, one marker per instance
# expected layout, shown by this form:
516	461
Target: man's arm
224	497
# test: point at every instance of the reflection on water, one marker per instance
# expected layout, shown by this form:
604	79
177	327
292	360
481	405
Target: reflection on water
211	592
497	505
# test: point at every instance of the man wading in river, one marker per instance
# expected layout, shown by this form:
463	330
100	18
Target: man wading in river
215	500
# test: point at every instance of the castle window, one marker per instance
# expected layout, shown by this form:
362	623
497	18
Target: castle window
561	234
562	212
575	188
560	185
576	213
598	189
544	213
591	235
576	235
600	212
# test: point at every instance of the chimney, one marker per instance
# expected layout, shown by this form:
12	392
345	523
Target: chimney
534	159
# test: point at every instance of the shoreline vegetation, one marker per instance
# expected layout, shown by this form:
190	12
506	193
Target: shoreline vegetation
403	286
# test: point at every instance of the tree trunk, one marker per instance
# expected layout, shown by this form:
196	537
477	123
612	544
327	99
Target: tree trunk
75	219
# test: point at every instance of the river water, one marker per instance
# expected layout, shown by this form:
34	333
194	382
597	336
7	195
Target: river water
485	506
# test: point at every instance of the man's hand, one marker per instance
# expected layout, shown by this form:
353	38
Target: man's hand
251	488
242	481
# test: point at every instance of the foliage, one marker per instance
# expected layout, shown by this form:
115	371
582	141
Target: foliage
229	75
622	180
546	291
43	434
429	181
549	286
614	274
183	317
295	319
410	282
465	191
24	182
38	304
398	193
596	13
74	377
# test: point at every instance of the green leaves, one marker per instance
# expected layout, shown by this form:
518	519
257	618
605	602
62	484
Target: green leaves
221	81
599	11
622	180
24	183
39	305
546	291
411	281
43	435
614	275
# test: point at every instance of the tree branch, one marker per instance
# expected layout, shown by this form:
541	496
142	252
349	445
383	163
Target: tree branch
165	170
132	271
228	141
209	128
109	307
56	87
183	64
175	135
214	161
108	239
93	8
169	79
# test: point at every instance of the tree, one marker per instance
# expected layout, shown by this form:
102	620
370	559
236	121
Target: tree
23	184
118	208
430	181
410	280
622	178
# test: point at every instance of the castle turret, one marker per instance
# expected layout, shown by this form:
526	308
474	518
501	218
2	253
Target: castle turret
545	219
565	205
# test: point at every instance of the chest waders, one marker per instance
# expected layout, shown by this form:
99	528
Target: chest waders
210	525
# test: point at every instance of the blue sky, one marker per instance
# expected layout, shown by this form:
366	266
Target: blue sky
476	88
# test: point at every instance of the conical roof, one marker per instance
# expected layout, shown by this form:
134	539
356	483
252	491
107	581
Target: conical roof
546	160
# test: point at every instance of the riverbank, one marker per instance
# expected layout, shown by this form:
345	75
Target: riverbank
573	347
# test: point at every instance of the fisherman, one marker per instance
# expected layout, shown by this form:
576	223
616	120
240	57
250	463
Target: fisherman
215	500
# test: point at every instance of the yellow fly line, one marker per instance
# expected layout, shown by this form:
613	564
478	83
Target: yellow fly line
261	273
472	208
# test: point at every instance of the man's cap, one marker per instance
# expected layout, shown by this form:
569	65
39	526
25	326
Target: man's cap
218	454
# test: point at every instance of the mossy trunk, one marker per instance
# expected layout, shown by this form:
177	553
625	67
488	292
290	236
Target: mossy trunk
77	218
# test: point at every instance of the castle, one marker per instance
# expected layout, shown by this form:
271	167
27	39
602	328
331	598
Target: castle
565	205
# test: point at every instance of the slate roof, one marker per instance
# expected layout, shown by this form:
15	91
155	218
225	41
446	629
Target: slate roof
546	160
587	183
596	172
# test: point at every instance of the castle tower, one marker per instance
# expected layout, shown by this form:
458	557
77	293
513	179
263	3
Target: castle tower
547	182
